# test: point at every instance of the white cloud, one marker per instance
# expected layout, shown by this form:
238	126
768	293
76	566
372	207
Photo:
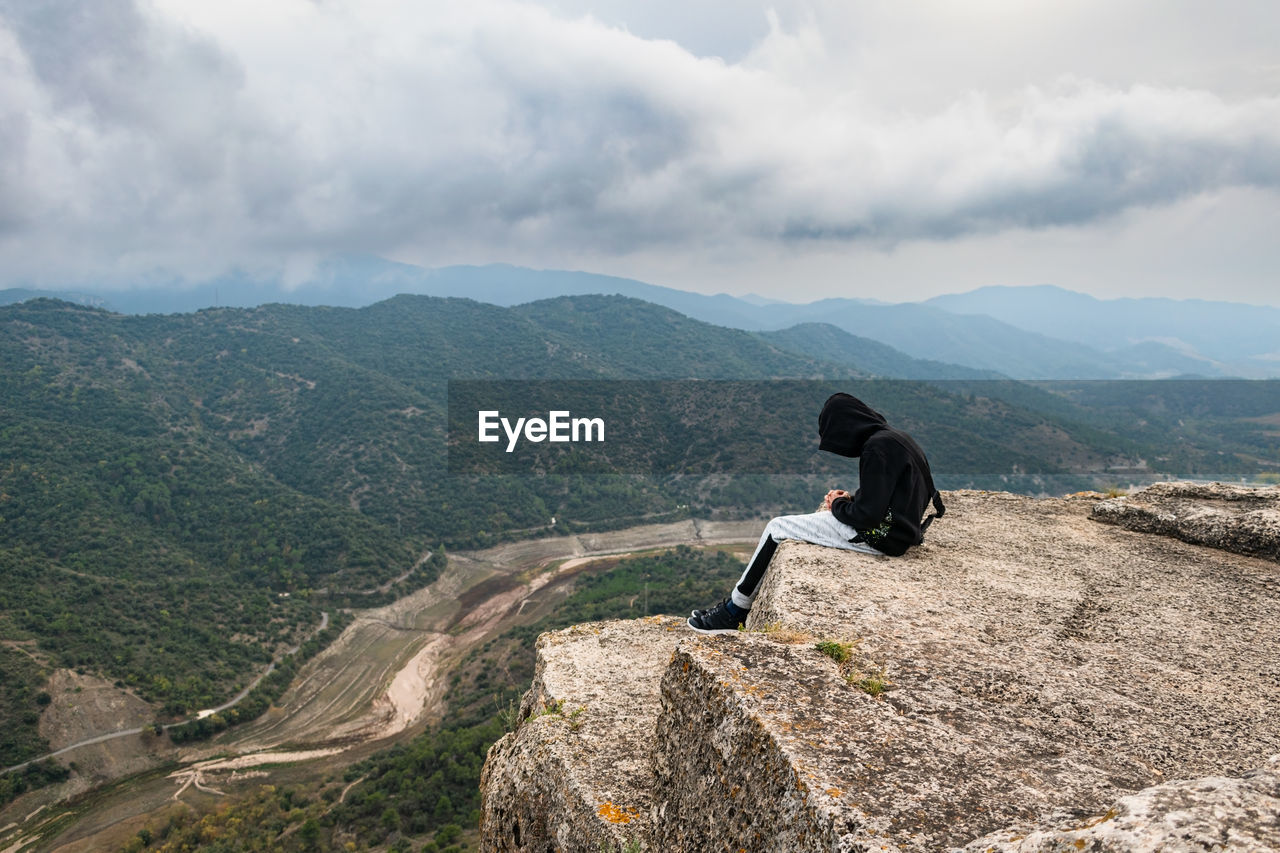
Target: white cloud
192	136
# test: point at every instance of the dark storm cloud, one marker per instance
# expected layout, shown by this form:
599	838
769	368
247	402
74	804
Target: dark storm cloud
136	138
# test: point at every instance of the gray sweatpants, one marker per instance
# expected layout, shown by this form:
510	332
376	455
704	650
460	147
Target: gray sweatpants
820	528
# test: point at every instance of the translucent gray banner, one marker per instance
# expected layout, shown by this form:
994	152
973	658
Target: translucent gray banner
1068	433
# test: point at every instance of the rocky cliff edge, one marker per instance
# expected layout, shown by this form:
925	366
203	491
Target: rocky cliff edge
1029	680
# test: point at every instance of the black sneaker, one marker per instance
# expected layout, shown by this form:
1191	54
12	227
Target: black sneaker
717	620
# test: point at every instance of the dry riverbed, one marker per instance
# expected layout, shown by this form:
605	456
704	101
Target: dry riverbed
383	678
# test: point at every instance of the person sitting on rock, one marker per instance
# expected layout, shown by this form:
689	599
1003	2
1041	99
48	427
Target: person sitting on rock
882	517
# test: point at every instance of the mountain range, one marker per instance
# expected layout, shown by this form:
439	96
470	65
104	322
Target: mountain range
1038	332
1198	328
184	494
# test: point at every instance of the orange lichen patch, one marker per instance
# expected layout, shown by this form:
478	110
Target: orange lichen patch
1079	844
616	814
805	726
835	793
1110	815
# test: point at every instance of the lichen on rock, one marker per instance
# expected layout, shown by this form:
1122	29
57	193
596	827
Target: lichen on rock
1053	684
1188	816
1240	519
576	775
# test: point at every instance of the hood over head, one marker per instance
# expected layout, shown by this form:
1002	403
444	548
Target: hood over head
846	423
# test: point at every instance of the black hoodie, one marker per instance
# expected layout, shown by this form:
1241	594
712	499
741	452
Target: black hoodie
895	485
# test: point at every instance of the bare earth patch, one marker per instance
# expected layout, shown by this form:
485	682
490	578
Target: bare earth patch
85	705
380	680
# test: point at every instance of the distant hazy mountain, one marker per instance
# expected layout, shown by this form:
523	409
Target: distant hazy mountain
1243	338
824	341
360	280
14	295
1161	361
920	332
1026	333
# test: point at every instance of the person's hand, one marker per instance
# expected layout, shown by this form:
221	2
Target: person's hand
831	497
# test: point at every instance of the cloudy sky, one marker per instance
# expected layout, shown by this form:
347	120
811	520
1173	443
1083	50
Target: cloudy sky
893	149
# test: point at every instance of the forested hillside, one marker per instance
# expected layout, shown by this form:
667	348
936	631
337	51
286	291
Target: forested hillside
426	792
182	495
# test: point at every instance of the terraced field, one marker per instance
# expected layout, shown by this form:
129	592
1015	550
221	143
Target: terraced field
383	679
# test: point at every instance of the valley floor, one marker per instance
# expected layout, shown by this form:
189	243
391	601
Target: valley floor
383	679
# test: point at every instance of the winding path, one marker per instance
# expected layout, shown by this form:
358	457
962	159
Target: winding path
388	699
200	715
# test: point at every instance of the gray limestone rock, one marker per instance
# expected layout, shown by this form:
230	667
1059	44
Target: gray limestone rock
769	747
575	775
1195	816
1045	675
1232	518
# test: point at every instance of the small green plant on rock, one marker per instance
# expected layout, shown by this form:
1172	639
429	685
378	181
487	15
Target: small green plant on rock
856	672
549	709
780	633
872	685
509	716
554	707
838	652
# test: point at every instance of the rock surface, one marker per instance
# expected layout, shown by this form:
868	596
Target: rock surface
1232	518
771	748
1046	675
1177	817
576	774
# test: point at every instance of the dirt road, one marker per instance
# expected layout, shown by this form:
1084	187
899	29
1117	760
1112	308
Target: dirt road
137	730
382	675
383	678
